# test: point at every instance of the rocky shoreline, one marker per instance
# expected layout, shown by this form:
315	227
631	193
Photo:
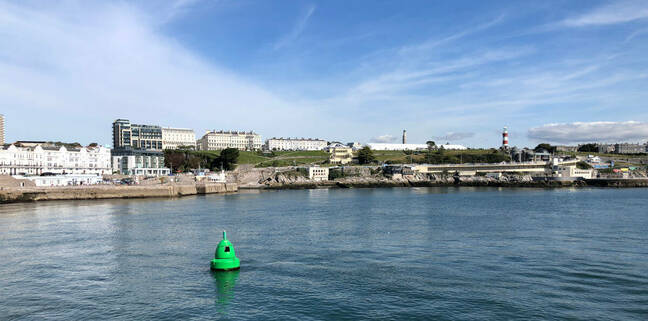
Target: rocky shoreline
429	183
286	181
277	180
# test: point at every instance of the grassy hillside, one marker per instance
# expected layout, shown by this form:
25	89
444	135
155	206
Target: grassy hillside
291	158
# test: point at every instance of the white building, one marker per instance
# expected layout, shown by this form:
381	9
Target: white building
334	145
58	160
382	146
219	177
217	140
294	144
173	138
64	180
340	155
572	171
318	173
452	147
593	159
354	145
140	165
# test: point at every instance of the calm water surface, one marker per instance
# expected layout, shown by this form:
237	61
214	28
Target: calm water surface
405	254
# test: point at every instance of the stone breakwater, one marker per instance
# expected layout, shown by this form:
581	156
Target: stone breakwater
364	178
368	182
8	195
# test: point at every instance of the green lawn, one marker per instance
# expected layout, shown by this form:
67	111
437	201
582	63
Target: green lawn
290	162
305	153
246	157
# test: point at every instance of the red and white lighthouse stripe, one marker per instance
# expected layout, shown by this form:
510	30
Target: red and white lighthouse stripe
505	137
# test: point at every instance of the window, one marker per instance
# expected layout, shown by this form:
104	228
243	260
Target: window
227	249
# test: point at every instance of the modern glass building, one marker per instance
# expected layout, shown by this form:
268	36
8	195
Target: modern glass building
134	136
137	149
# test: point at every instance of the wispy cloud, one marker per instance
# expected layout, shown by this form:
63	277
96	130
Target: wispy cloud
112	62
436	42
583	132
429	72
613	13
179	7
636	33
296	31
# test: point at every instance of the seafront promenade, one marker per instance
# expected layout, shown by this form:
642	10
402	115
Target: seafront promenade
27	194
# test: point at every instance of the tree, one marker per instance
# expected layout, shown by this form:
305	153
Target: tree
583	165
93	145
366	156
173	160
194	162
228	158
588	148
431	145
544	146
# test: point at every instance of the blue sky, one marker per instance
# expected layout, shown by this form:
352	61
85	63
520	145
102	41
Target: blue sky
456	71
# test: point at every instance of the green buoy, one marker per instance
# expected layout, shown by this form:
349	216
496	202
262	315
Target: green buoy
225	259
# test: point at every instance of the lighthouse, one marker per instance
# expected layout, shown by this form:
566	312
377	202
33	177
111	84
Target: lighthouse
505	138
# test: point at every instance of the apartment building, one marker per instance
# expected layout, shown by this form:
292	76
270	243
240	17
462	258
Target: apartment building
294	144
217	140
57	160
175	138
134	136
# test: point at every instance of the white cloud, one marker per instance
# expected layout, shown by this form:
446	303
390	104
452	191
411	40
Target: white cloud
110	61
614	13
581	132
383	139
296	30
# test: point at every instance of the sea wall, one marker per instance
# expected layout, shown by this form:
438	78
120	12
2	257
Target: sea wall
620	182
283	181
9	194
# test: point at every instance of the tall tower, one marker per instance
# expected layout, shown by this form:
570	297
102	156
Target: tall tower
404	136
2	130
505	138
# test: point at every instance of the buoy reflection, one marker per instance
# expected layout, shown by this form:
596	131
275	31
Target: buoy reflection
225	282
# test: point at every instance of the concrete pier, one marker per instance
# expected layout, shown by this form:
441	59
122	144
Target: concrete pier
27	194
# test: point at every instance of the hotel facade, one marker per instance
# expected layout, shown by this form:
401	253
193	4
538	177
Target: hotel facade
218	140
175	138
294	144
56	160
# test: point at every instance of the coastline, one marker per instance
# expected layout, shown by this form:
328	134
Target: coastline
382	183
31	194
